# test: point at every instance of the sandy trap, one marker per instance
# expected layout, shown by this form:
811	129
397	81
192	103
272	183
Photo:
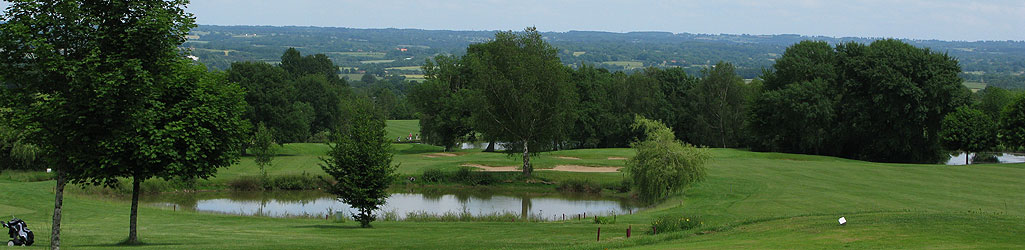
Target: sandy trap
436	155
562	168
493	169
617	158
567	157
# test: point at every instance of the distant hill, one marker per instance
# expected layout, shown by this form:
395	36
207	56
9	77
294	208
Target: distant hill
395	50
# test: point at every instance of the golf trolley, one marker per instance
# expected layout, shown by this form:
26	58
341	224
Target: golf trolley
20	235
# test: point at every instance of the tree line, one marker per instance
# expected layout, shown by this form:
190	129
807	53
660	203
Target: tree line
884	101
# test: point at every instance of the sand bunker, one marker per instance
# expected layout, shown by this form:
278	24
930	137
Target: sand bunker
583	169
617	158
436	155
567	157
493	169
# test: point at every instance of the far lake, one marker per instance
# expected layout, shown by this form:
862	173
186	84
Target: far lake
1002	158
320	204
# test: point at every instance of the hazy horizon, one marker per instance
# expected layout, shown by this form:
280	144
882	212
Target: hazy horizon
993	20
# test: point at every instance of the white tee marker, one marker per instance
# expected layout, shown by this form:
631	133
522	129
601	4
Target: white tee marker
843	221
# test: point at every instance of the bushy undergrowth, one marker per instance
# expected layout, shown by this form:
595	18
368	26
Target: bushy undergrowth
464	175
246	183
579	186
295	182
668	223
27	176
284	182
462	216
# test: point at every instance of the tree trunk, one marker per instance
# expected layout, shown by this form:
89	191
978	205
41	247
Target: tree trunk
58	204
526	160
491	147
966	157
133	219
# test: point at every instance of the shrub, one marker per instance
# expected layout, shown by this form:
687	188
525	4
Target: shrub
467	176
663	166
605	219
433	175
579	186
295	182
668	223
985	158
28	176
246	183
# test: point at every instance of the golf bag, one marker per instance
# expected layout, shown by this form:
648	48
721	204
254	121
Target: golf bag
18	230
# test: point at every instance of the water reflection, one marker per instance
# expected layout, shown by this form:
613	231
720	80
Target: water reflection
316	204
481	145
1001	158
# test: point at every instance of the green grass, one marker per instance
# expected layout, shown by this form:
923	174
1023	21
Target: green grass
749	200
376	61
974	85
626	64
397	128
360	54
411	68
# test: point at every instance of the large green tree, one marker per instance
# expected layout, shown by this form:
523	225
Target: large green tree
443	102
968	130
718	104
360	161
73	60
880	102
521	91
191	127
1012	124
993	100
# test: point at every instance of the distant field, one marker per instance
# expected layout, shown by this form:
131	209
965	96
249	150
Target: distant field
415	78
412	68
626	64
975	86
360	54
579	53
352	77
376	61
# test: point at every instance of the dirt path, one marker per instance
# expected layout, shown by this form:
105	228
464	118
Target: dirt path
493	169
617	158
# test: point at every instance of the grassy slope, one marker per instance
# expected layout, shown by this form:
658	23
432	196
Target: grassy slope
397	128
763	200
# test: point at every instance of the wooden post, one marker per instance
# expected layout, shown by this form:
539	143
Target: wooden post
654	230
563	216
628	231
599	234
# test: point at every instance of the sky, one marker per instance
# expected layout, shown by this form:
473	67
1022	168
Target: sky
915	19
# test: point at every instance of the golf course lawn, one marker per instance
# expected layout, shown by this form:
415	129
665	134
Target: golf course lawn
748	200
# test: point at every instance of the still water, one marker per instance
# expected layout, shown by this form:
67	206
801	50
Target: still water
480	145
319	204
1002	158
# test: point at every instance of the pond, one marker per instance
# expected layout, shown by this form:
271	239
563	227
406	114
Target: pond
480	145
1001	158
319	204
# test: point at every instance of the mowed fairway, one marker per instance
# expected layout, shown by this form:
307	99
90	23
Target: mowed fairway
749	200
401	128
